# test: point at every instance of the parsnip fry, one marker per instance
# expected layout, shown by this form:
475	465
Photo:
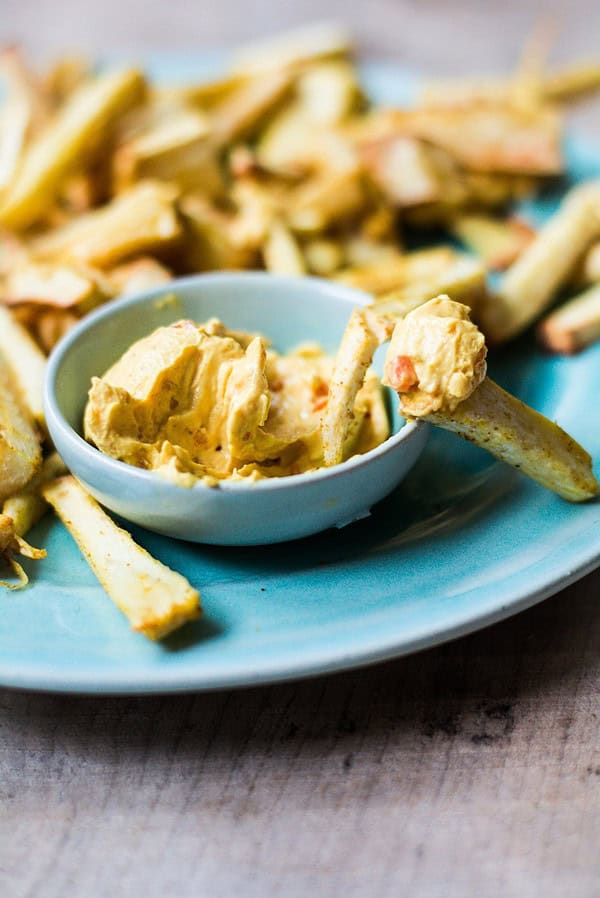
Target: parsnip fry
521	437
27	506
324	40
463	281
281	252
572	82
402	168
366	330
176	149
26	362
11	544
66	142
326	198
141	274
242	111
574	325
498	242
436	363
60	285
20	450
142	219
155	599
411	268
529	285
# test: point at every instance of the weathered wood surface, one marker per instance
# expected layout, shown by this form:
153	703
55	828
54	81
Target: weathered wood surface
469	770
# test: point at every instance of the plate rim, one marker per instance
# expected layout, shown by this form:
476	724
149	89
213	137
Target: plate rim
500	603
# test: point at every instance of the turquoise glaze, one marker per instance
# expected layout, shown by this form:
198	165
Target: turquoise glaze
286	310
464	541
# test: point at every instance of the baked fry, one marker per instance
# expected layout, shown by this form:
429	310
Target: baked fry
574	325
20	449
140	220
498	242
366	330
27	506
66	142
26	362
436	363
529	285
294	48
281	252
155	599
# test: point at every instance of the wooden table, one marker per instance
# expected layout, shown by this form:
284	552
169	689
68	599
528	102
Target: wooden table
468	770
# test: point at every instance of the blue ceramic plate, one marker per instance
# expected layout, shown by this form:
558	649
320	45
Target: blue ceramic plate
463	542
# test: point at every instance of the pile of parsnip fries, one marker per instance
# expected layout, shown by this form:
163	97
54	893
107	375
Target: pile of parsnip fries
110	184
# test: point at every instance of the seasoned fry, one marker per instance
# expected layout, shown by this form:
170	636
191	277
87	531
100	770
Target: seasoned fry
27	506
25	109
178	148
328	92
242	111
487	138
323	256
572	82
436	363
498	242
64	144
402	168
521	437
155	599
366	330
531	283
325	199
588	271
11	545
464	281
574	325
307	44
60	285
209	241
25	361
411	268
144	273
142	219
281	253
20	449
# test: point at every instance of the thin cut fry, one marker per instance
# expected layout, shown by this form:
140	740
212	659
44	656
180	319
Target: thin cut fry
27	506
10	545
463	281
66	142
26	362
574	325
530	284
155	599
60	285
365	331
521	437
245	108
20	450
436	363
499	242
142	219
402	168
324	40
281	253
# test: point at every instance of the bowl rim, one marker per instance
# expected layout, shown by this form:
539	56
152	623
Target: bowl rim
57	422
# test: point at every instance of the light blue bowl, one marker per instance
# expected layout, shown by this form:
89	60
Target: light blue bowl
288	311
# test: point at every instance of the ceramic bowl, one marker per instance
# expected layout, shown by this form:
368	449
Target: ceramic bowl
288	311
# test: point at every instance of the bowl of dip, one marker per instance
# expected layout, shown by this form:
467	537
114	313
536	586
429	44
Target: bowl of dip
168	473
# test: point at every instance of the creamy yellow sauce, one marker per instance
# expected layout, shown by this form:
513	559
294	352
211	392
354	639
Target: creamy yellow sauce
436	358
200	402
